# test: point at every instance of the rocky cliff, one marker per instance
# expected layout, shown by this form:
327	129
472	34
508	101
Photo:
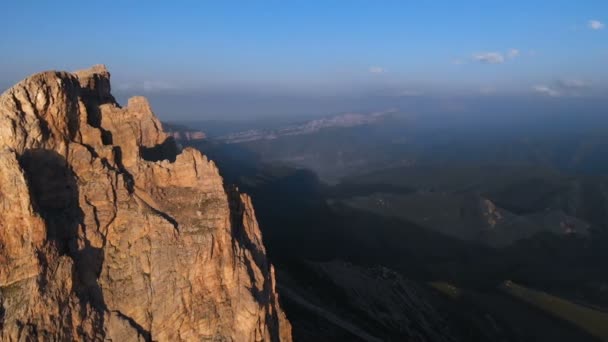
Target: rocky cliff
109	232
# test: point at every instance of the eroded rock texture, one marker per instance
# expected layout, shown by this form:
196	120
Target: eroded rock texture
108	232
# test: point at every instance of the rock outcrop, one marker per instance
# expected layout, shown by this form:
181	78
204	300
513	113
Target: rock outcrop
109	232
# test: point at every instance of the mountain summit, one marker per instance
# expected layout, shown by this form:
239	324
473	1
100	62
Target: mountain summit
108	231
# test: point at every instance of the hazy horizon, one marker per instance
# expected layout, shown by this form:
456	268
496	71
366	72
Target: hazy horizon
199	61
430	171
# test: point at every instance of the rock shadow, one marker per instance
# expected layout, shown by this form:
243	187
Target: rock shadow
94	120
167	150
55	195
242	239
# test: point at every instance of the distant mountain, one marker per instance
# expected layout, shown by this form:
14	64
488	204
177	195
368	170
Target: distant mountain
308	127
181	132
357	210
345	145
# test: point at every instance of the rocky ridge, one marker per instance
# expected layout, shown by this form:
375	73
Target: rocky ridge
109	232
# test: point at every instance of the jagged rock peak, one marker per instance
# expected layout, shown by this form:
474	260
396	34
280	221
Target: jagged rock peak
99	69
108	231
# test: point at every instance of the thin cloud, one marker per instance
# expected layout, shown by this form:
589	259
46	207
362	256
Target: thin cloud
489	58
564	87
496	57
377	70
546	90
573	84
595	25
157	86
512	53
147	86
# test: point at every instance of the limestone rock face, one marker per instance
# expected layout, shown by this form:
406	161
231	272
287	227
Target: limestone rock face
108	232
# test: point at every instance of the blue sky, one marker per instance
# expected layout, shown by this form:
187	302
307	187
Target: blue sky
316	48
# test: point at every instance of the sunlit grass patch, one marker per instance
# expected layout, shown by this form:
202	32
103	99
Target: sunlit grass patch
592	321
447	289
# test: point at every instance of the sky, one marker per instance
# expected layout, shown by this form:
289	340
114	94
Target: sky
225	59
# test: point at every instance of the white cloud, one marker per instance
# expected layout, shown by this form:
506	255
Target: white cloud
512	53
546	90
495	57
377	70
489	57
595	25
566	87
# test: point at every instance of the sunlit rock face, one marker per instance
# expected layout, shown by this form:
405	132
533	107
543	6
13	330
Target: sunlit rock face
109	232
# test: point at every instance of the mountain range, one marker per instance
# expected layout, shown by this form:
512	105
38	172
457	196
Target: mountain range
351	227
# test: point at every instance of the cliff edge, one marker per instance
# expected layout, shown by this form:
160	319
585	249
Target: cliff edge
109	232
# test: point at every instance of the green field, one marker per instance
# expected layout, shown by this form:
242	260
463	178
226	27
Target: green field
592	321
447	289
